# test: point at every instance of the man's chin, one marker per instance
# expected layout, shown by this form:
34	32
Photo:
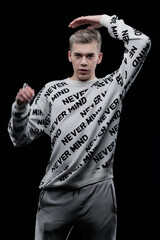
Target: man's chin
83	77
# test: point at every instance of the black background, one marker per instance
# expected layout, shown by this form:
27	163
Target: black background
34	50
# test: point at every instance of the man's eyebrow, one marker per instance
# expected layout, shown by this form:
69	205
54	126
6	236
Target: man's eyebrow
77	53
88	54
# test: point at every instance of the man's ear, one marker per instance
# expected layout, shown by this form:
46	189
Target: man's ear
100	58
69	56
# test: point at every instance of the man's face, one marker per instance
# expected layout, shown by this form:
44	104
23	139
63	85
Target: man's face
84	58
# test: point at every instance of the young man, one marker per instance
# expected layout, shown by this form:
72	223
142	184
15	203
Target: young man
81	115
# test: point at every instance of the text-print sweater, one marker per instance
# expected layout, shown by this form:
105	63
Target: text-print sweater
82	117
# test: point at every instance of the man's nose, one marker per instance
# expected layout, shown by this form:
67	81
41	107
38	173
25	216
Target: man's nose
83	62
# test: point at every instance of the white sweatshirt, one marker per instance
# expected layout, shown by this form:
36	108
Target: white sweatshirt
82	118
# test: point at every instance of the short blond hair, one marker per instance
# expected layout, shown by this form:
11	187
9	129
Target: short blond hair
84	36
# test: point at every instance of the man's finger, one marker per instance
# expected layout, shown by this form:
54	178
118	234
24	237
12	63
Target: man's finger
78	22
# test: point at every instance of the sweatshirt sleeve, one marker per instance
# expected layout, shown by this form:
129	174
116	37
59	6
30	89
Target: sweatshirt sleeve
136	48
29	122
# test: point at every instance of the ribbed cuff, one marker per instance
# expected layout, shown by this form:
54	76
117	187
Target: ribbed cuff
19	108
105	20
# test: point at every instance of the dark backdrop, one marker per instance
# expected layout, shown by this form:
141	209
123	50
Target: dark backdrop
35	44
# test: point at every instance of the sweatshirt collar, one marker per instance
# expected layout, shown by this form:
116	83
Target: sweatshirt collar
83	83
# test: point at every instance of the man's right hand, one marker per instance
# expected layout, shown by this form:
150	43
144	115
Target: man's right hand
25	95
93	21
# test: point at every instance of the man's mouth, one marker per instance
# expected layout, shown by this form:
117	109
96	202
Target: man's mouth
83	70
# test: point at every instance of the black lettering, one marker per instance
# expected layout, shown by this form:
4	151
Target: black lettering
74	97
114	130
60	93
125	36
119	80
37	112
107	163
79	143
48	92
89	155
93	116
55	137
114	104
104	152
115	117
37	130
97	99
78	104
61	159
113	19
132	51
108	80
73	133
141	55
84	113
114	29
58	120
46	121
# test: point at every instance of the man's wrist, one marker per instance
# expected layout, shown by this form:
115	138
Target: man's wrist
20	107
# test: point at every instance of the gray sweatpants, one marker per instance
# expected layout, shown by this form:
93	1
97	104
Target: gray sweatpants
92	208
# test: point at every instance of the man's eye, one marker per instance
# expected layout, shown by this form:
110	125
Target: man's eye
77	55
90	56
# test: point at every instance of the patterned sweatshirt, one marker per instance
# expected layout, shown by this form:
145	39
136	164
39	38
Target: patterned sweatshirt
82	117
